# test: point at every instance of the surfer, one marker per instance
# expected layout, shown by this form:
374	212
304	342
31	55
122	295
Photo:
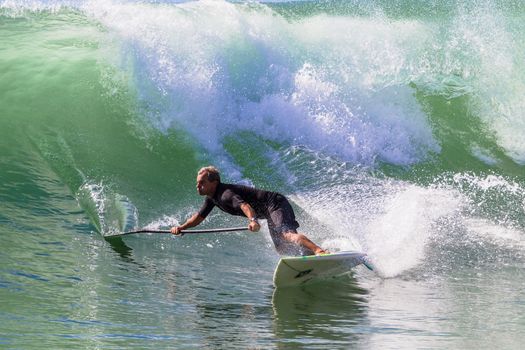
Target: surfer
254	204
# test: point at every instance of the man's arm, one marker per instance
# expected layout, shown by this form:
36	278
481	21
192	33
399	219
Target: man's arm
250	214
195	220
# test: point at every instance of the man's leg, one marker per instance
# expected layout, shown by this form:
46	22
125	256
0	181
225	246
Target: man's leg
283	227
303	241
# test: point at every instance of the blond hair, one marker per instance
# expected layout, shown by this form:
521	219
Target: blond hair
211	172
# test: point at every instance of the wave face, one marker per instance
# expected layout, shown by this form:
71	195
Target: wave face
395	127
393	118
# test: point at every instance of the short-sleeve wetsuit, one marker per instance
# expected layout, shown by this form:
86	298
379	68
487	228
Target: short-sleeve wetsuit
272	206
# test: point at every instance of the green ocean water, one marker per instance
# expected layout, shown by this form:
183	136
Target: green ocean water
395	128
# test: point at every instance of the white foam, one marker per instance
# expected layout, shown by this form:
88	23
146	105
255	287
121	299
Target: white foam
214	69
484	155
496	233
492	41
489	182
164	221
19	7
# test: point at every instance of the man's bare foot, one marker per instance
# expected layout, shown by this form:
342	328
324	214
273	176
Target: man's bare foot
321	251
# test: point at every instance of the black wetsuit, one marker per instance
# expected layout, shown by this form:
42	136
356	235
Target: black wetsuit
272	206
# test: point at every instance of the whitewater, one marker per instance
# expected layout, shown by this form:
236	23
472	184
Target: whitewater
394	127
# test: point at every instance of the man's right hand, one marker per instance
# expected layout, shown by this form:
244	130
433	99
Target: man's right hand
176	230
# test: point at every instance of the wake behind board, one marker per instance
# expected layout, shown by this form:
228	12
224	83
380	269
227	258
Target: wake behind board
301	270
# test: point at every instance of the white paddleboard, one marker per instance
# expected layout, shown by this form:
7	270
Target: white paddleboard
301	270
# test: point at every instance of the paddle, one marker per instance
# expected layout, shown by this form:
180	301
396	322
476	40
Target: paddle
183	232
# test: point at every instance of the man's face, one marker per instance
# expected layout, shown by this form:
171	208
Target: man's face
205	187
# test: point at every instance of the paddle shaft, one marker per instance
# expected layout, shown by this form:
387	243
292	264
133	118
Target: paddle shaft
213	230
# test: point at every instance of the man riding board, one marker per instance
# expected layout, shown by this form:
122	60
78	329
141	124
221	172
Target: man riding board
254	204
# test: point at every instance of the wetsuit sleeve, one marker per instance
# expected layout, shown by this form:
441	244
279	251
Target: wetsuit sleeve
206	208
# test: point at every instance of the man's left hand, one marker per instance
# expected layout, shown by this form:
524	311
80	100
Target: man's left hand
254	226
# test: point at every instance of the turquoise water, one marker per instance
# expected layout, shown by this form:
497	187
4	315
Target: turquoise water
395	127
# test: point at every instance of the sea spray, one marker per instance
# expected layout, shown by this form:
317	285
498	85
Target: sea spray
109	212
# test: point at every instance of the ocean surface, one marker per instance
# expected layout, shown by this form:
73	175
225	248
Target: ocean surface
396	128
